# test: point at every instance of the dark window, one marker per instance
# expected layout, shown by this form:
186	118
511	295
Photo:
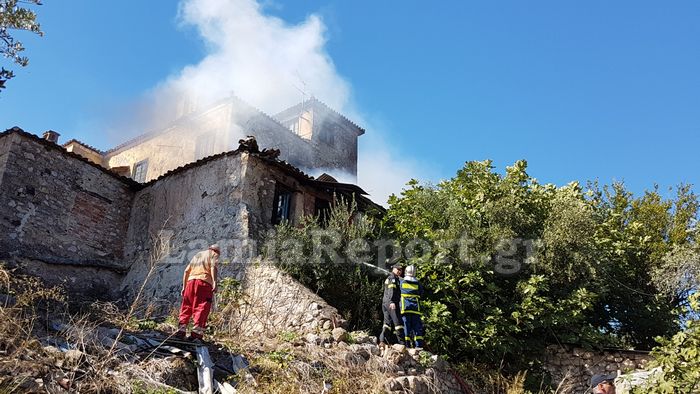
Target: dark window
141	171
282	204
204	146
322	211
328	136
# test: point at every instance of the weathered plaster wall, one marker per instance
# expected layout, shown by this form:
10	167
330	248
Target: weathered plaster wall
228	122
60	209
176	146
84	152
227	200
188	210
575	366
74	224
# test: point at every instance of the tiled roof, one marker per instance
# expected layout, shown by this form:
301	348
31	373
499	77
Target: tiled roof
153	133
314	99
16	130
84	145
282	165
324	106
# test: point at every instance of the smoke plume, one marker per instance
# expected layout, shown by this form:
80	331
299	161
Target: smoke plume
273	65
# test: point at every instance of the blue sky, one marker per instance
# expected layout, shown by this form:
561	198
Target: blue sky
582	90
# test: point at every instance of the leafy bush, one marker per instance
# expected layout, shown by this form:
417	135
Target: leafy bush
513	265
679	358
346	283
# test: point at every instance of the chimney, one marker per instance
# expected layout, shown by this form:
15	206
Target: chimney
51	136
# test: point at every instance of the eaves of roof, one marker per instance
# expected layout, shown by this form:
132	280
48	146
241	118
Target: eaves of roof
361	130
92	148
50	145
150	134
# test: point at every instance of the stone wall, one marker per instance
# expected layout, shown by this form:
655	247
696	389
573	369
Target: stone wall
273	303
182	214
59	209
261	178
575	366
226	200
74	223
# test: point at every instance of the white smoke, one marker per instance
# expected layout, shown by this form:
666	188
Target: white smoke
259	57
273	65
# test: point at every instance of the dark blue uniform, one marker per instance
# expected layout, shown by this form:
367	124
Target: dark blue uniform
392	294
411	292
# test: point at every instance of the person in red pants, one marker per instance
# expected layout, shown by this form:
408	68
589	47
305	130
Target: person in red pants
198	287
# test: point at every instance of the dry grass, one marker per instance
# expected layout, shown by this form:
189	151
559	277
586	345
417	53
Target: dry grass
299	370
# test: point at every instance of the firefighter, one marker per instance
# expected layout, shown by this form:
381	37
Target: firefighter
198	287
390	307
411	292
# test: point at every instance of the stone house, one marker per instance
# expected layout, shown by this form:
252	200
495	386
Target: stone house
310	136
97	221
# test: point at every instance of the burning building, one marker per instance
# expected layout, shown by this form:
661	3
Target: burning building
90	219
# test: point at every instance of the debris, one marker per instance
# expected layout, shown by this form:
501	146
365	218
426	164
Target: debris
205	372
241	364
225	388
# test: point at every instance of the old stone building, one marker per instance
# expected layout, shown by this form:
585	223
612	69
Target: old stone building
78	216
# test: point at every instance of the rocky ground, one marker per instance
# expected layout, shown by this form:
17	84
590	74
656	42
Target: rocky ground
52	345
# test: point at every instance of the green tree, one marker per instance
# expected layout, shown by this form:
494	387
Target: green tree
14	17
636	239
516	265
493	296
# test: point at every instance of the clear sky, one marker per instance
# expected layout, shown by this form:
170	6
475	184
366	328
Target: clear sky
582	90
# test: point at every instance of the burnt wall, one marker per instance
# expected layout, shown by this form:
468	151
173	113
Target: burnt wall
59	209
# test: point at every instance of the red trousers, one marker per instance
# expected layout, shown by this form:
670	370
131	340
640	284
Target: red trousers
196	303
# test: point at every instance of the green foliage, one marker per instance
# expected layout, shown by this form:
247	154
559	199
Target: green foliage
139	387
228	290
14	17
515	265
288	336
343	276
280	357
147	324
480	304
678	358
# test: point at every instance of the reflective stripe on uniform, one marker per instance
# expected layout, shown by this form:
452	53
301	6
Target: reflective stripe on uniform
398	327
410	296
410	286
414	312
391	286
